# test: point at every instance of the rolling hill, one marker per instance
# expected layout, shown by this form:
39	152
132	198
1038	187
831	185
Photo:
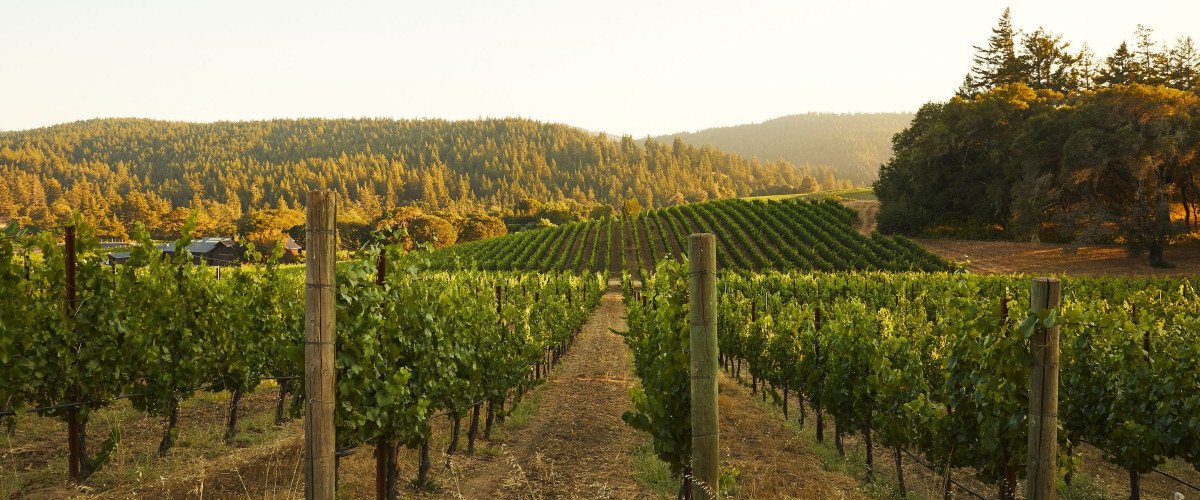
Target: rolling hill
852	146
751	236
118	171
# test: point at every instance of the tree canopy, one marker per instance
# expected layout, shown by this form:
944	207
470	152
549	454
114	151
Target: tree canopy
121	171
1040	143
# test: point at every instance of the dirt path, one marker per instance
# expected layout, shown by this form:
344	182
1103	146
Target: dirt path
866	214
575	445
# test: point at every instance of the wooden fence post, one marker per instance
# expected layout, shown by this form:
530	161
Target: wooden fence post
319	342
1043	394
702	321
74	450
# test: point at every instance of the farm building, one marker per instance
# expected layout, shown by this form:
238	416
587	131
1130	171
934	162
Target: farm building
292	250
212	251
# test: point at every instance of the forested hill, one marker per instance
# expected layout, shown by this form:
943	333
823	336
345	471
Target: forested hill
852	146
116	170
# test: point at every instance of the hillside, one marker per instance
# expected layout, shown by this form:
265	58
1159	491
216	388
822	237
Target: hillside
751	235
851	146
118	171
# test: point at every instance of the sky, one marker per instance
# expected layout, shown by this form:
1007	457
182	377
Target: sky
622	67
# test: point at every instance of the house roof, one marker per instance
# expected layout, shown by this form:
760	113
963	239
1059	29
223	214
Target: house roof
200	246
290	244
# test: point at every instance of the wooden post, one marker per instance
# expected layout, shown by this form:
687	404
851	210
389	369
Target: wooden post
74	453
1043	394
385	450
319	338
702	321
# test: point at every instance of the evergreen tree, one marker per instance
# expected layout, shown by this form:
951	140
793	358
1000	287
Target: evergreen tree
1119	68
1151	62
996	64
1183	65
1047	63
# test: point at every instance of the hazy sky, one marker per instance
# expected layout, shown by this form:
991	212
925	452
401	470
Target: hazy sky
639	67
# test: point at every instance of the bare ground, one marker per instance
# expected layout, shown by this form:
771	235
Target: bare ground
866	214
1006	257
575	445
772	461
1009	257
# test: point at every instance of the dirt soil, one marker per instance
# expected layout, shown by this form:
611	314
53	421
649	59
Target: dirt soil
575	445
866	214
1006	257
773	461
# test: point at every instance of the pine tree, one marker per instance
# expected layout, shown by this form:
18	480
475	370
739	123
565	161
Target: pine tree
1047	63
1151	62
1183	65
1119	68
1086	70
996	64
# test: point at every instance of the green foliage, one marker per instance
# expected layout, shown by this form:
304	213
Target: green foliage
939	363
1039	163
121	171
658	338
424	342
1040	143
162	327
751	235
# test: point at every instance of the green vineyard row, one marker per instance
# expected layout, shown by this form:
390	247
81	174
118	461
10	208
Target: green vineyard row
412	343
791	234
938	363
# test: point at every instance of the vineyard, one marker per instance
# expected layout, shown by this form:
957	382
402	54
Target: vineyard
937	364
77	335
934	366
790	234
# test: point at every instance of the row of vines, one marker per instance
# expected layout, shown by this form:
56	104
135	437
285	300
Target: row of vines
938	364
412	343
791	234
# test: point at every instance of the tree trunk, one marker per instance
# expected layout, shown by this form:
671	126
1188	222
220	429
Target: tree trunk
785	402
800	407
870	453
284	385
386	470
1135	485
685	488
1156	254
231	423
453	436
491	417
900	474
423	467
168	439
473	429
837	437
85	462
816	404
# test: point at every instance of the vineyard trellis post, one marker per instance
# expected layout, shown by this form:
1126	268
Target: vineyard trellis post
702	322
1043	393
319	339
75	452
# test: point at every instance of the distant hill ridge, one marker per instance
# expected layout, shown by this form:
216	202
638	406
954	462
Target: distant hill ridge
121	171
852	145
